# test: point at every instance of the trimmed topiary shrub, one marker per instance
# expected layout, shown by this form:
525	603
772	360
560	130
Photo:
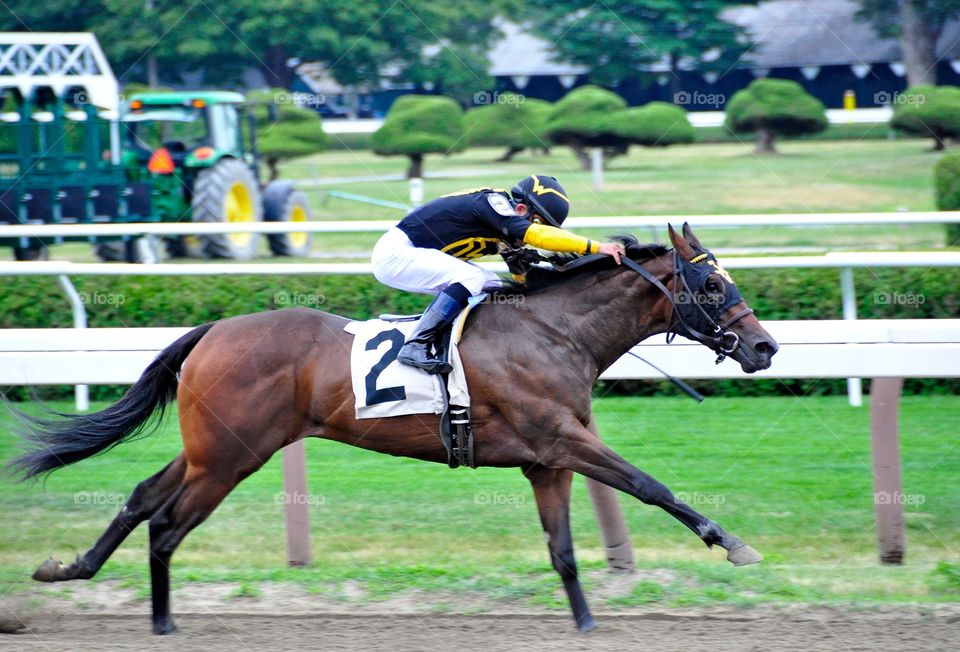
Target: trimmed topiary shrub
928	111
774	107
285	130
946	182
657	124
580	119
514	121
417	125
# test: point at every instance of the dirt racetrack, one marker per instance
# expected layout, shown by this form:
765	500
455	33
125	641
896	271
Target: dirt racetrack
796	628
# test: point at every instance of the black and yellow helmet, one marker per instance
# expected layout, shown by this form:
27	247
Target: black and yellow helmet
544	196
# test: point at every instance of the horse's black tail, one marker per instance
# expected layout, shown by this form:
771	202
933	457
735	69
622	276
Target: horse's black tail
69	438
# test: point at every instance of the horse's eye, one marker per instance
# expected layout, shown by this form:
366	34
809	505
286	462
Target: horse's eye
712	286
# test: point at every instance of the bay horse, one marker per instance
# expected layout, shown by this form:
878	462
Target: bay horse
249	385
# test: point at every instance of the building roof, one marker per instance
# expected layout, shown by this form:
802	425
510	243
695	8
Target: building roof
519	52
795	33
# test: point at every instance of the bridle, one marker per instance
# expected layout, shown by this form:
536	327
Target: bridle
720	338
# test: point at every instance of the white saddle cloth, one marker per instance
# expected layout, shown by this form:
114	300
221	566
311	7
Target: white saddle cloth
383	387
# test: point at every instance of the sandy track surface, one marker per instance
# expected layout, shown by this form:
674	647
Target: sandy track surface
796	628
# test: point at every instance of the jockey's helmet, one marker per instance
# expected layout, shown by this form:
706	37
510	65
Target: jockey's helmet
544	196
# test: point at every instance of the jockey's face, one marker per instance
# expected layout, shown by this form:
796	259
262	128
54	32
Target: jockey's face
524	210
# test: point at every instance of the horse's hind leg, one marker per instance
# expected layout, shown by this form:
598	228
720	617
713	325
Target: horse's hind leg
189	506
552	491
143	502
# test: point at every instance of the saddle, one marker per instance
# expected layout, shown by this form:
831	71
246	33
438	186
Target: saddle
456	431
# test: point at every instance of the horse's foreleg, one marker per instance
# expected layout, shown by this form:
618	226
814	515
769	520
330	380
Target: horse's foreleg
143	502
552	491
584	453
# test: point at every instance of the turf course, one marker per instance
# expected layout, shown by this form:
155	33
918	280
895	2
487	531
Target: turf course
790	475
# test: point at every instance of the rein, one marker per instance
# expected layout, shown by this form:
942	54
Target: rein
721	340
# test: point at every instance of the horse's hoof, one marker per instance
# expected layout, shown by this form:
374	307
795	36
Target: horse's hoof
743	556
587	625
164	627
48	571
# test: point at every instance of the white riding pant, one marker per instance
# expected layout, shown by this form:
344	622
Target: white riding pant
399	264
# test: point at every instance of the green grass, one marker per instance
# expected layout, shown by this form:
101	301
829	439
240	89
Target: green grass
791	476
858	175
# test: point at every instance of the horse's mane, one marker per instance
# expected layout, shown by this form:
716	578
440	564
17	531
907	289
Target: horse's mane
567	266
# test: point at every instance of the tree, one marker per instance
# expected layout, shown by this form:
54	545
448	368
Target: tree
774	107
579	120
657	124
417	125
929	111
223	38
918	24
511	121
284	129
616	38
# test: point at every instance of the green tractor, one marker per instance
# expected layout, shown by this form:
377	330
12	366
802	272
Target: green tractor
198	149
73	152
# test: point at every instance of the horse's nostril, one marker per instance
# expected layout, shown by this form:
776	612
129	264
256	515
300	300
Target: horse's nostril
766	347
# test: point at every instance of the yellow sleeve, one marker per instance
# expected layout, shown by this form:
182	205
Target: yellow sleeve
548	237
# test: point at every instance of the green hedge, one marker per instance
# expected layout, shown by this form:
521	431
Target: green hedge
926	111
657	124
36	302
420	124
511	121
779	105
946	181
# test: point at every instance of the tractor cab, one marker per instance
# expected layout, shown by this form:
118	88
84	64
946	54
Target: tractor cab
194	129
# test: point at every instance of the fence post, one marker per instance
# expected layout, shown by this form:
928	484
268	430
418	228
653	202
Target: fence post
849	295
296	506
81	393
613	527
887	485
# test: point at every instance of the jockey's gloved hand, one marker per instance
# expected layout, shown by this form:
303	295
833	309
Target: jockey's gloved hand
520	259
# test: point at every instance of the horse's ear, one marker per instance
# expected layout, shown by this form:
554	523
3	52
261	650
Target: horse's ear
680	243
692	239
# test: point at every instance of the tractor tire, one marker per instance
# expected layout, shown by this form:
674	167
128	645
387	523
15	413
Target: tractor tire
111	252
282	202
183	246
31	253
176	247
227	192
141	250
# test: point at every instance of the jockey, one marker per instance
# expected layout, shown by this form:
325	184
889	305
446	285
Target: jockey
429	250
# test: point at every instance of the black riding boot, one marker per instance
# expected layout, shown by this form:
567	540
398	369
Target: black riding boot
418	350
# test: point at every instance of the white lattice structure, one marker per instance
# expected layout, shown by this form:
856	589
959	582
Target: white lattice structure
59	60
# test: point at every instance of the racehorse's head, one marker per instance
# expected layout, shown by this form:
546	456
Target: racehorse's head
710	309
